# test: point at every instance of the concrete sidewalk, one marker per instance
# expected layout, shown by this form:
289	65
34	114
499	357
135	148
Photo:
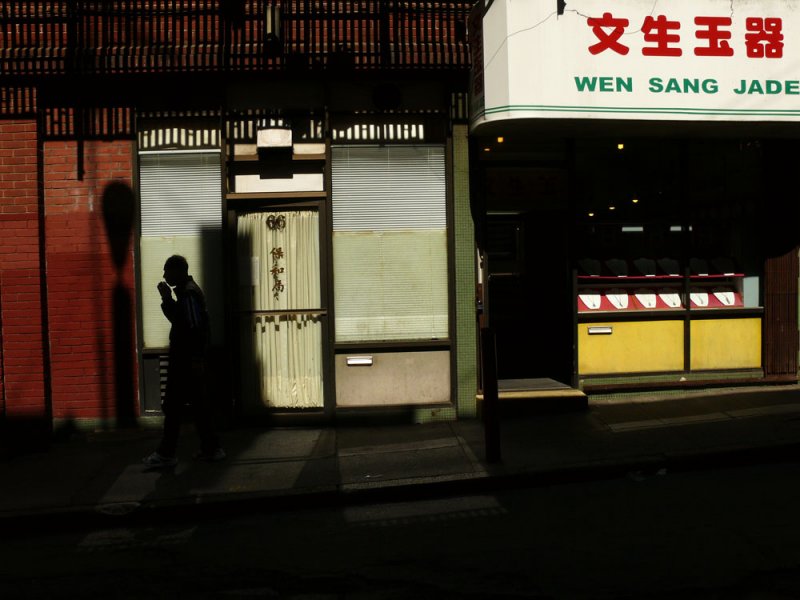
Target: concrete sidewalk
98	480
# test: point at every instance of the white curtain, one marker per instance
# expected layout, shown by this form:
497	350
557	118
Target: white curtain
282	353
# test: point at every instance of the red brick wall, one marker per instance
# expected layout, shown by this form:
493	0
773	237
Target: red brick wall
93	376
22	386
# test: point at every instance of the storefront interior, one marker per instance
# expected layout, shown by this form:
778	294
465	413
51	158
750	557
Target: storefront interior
633	260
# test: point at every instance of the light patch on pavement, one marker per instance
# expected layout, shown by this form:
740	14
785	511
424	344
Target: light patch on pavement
404	513
242	478
125	539
667	422
762	411
134	483
477	465
728	415
272	446
398	447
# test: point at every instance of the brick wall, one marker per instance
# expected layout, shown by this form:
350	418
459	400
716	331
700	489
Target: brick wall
22	361
90	296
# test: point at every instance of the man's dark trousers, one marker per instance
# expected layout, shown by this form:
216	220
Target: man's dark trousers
187	389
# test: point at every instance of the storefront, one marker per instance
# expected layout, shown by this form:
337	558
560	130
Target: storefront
635	180
325	243
310	160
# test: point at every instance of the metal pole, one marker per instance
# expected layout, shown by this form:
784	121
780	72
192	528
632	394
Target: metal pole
491	420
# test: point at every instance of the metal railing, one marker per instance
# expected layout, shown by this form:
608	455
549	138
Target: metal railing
57	37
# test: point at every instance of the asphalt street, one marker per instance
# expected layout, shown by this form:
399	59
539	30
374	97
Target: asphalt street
724	533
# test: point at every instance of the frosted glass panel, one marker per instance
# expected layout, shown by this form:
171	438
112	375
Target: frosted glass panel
202	254
390	285
389	243
181	213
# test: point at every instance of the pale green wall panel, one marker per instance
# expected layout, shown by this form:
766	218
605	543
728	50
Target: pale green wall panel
466	323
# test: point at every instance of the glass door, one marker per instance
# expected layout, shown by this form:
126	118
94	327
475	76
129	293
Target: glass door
281	312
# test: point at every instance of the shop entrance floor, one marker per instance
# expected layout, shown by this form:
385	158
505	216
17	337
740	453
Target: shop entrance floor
537	395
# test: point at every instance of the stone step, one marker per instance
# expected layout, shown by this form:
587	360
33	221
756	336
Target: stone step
534	396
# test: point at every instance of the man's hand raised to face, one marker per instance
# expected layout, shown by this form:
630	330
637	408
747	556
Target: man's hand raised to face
164	290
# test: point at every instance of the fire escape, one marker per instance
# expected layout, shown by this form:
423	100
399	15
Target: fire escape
79	63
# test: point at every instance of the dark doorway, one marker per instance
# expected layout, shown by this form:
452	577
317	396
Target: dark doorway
530	300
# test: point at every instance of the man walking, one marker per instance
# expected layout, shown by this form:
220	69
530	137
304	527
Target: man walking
186	373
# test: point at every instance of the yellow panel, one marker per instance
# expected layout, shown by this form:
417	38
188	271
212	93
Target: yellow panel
632	346
726	344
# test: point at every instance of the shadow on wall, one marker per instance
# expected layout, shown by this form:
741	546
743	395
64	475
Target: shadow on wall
119	209
248	384
217	283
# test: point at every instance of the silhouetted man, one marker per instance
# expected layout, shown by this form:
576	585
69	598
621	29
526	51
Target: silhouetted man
186	372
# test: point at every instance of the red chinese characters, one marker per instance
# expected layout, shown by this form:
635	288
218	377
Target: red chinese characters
608	40
713	30
764	37
657	31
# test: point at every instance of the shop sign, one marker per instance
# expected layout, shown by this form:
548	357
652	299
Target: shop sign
729	60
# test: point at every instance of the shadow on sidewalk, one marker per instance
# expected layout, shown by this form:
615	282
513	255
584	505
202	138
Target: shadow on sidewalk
24	435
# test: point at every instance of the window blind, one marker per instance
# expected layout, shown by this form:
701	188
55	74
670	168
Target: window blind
181	213
389	243
394	187
181	192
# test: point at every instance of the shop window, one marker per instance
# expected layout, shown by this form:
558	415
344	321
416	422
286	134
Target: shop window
389	243
181	213
683	200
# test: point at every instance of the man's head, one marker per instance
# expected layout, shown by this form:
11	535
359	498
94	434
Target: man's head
176	270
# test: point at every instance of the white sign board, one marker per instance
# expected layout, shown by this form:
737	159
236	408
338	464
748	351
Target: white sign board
731	60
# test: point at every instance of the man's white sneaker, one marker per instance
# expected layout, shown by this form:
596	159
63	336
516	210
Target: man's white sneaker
157	460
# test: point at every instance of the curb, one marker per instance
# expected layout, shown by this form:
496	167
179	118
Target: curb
153	513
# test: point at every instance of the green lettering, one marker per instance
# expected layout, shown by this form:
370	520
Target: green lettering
691	85
792	87
585	83
774	87
604	84
710	86
656	85
624	84
755	87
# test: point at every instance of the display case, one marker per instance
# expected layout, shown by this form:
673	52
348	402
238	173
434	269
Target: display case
657	315
618	286
670	282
